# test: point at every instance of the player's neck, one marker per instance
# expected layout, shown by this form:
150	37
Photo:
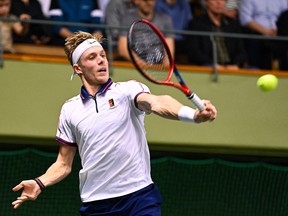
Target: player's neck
91	89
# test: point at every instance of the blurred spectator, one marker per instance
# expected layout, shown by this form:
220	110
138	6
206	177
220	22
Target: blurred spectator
102	6
145	10
7	28
259	17
230	51
282	46
76	11
31	9
232	9
196	6
115	11
180	12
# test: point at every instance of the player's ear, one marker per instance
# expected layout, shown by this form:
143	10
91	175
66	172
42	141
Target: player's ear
77	69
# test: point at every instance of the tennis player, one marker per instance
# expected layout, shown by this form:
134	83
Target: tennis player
105	123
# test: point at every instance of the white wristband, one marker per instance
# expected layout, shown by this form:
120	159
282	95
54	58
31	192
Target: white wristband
186	114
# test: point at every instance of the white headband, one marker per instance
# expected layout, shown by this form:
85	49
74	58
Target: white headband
81	48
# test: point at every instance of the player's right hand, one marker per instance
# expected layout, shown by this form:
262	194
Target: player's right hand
208	114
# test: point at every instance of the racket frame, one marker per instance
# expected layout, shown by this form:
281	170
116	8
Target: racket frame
172	69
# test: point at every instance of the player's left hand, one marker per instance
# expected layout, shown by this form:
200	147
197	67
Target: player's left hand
30	192
208	114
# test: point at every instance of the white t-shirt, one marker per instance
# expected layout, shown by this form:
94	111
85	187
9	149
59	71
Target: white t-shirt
110	135
45	5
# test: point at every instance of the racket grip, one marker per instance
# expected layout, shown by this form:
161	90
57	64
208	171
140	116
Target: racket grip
196	101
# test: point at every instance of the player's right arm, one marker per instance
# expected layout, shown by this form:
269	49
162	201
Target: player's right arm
168	107
163	105
55	173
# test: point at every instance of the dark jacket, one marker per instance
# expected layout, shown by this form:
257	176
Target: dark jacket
200	47
33	8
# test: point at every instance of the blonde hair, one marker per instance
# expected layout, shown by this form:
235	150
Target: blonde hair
77	38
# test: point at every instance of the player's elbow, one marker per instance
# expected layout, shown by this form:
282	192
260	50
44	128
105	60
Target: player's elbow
64	168
67	170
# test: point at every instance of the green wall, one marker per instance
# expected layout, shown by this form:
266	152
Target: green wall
249	121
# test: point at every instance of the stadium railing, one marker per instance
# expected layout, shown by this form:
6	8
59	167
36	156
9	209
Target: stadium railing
49	53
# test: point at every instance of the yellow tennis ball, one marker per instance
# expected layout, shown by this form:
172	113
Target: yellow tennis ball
267	82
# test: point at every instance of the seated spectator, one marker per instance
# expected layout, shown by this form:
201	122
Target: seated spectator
115	10
77	11
8	28
259	17
145	10
180	12
31	9
230	51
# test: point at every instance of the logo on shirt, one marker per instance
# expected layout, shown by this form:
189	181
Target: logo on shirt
111	103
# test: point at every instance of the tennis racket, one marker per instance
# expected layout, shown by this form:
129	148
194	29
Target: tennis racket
151	56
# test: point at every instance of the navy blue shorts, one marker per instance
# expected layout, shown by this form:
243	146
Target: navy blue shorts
146	202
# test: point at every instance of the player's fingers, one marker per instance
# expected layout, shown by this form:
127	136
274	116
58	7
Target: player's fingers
23	198
207	115
17	187
206	102
213	116
213	112
204	116
15	206
210	108
17	203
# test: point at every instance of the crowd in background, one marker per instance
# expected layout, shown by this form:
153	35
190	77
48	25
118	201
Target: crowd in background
256	17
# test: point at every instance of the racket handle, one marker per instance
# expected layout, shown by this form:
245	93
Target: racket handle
196	101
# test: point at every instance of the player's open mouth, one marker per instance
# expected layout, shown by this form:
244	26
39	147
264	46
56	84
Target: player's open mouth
102	70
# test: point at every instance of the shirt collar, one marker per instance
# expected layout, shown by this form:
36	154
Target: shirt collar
84	94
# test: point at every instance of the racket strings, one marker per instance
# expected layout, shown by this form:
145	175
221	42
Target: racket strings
149	52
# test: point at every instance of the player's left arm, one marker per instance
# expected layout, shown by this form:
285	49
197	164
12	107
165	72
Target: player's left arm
32	188
168	107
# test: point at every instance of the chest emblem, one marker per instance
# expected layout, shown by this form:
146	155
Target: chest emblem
111	103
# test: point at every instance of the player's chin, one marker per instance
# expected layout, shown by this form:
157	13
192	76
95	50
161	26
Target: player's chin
103	78
103	74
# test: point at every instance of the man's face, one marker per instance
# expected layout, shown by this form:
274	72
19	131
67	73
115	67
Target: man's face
94	69
4	8
146	6
216	6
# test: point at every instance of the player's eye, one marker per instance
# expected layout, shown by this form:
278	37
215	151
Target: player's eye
103	55
91	57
